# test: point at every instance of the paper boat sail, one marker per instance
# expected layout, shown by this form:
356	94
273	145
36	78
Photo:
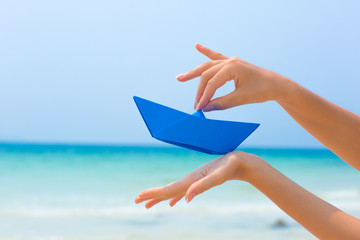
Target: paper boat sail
193	131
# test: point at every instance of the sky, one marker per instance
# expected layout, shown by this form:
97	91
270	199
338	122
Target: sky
69	69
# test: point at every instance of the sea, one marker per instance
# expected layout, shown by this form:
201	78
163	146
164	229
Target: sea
68	192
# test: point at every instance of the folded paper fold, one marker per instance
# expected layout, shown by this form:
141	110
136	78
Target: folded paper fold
193	131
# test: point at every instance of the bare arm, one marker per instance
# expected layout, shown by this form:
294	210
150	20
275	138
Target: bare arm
317	216
335	127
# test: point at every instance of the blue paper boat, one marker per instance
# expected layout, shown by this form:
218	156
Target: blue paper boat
193	131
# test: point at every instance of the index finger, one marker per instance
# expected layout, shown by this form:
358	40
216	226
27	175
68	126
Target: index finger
218	80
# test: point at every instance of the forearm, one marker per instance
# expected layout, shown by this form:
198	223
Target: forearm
335	127
317	216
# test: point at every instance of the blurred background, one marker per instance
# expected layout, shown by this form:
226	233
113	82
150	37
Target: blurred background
75	152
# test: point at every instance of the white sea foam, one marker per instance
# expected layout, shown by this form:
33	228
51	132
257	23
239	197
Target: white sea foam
345	194
134	211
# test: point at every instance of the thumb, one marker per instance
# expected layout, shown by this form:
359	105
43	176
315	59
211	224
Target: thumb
221	103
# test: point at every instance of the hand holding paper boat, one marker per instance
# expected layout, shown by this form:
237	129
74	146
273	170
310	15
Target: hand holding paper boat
193	131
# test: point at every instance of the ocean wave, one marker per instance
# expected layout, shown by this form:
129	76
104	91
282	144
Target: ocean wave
345	194
135	211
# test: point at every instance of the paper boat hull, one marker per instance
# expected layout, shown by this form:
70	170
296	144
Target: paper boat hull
193	132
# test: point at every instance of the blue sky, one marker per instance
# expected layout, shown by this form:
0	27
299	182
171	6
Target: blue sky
69	69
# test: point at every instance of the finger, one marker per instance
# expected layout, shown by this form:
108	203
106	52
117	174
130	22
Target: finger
174	200
171	190
210	53
203	185
205	77
218	80
221	103
174	189
148	194
196	72
152	202
138	200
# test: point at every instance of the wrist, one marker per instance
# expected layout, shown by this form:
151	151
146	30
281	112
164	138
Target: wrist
260	172
248	166
282	87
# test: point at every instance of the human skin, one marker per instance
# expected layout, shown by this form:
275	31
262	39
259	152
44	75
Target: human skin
335	127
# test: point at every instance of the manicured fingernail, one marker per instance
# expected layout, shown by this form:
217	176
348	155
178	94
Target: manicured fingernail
192	195
180	76
197	106
196	103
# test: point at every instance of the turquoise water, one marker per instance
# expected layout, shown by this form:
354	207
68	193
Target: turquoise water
87	192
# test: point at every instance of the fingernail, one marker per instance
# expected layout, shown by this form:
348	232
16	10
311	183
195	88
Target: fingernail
196	103
192	195
199	45
197	107
180	76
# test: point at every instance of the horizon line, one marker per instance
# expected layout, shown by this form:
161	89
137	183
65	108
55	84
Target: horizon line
150	145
